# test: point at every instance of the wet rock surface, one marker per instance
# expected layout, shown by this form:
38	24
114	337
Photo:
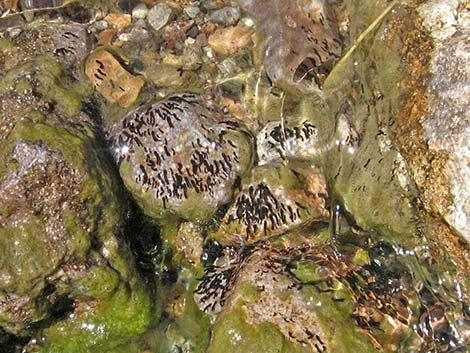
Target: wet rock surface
179	152
273	176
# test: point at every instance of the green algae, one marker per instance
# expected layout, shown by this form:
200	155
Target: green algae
124	315
232	334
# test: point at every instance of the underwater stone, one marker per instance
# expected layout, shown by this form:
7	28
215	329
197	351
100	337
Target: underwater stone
159	15
110	79
303	43
226	16
181	155
140	11
273	200
61	219
226	41
255	293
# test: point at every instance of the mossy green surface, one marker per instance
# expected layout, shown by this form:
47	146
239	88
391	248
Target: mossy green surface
232	334
122	317
111	304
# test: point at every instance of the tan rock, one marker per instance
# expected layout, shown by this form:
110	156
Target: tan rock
119	20
106	37
226	41
111	80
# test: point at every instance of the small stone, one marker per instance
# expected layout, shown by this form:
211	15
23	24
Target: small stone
106	37
164	75
248	21
159	15
228	40
111	80
15	32
124	37
193	32
101	25
191	11
120	21
211	4
140	11
226	16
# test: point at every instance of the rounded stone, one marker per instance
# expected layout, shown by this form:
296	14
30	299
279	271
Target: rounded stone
226	16
191	11
140	11
181	156
159	15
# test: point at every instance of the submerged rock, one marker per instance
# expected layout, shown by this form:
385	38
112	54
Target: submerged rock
273	200
159	15
61	217
277	141
182	156
302	40
110	79
302	295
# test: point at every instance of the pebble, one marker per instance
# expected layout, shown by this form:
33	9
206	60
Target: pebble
191	11
101	25
140	11
248	21
226	41
226	16
159	15
15	32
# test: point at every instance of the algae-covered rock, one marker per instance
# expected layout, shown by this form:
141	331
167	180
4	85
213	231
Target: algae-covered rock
69	43
401	121
297	295
273	200
181	156
61	219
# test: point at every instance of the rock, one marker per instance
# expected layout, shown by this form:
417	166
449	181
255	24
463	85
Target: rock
407	124
192	11
111	80
227	41
120	21
164	75
226	16
140	11
106	37
159	16
189	242
180	152
294	293
273	200
61	217
101	25
444	126
69	43
303	43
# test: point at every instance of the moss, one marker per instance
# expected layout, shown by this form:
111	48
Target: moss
125	315
232	334
99	282
6	45
307	271
334	318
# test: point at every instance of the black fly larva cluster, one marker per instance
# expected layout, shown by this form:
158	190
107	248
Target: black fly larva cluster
259	210
215	287
176	145
276	141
